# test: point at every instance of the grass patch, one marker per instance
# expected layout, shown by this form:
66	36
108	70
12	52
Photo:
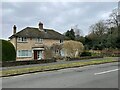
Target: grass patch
13	72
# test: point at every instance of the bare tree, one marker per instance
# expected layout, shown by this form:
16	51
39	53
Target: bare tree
98	29
114	18
77	30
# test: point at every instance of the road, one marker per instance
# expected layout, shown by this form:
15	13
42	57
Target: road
94	76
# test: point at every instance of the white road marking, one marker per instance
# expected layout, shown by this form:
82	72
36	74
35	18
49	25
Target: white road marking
106	72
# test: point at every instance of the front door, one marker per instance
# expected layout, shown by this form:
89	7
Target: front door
35	54
38	54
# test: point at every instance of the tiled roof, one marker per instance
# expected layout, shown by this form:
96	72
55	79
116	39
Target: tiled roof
35	32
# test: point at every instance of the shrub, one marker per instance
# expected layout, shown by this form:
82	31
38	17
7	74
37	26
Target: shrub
67	58
85	54
56	50
113	53
82	58
8	51
58	57
72	48
48	53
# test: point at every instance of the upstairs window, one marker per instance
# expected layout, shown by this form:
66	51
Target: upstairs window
61	41
39	40
57	51
22	39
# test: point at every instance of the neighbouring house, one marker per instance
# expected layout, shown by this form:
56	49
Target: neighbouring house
31	43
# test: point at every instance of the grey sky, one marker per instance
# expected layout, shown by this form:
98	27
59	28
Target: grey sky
59	16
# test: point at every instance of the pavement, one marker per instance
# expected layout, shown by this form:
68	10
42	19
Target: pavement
94	76
53	63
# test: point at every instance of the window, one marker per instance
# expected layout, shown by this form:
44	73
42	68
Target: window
39	40
62	53
24	53
61	41
57	51
22	39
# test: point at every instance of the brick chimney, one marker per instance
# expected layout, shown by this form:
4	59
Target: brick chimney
40	26
14	29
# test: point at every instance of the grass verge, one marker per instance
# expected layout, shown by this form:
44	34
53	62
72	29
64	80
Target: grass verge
13	72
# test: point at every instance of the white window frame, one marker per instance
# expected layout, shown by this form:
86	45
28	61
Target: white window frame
61	41
24	53
39	40
62	53
22	39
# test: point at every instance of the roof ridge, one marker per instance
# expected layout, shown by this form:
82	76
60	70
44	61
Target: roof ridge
35	32
38	28
48	28
31	27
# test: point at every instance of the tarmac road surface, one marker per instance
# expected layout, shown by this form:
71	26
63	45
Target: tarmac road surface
94	76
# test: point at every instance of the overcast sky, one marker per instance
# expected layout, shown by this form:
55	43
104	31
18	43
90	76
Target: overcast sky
59	16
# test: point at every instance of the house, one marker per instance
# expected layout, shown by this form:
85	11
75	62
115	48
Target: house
30	43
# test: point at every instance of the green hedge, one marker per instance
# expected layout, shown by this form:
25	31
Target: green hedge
8	51
85	54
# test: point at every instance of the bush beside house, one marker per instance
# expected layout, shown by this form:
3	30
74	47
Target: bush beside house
56	50
8	51
48	53
69	48
72	48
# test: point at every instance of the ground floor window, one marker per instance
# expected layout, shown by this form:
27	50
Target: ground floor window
62	53
24	53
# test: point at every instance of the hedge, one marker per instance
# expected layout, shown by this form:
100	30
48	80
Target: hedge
85	54
8	51
82	58
29	62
